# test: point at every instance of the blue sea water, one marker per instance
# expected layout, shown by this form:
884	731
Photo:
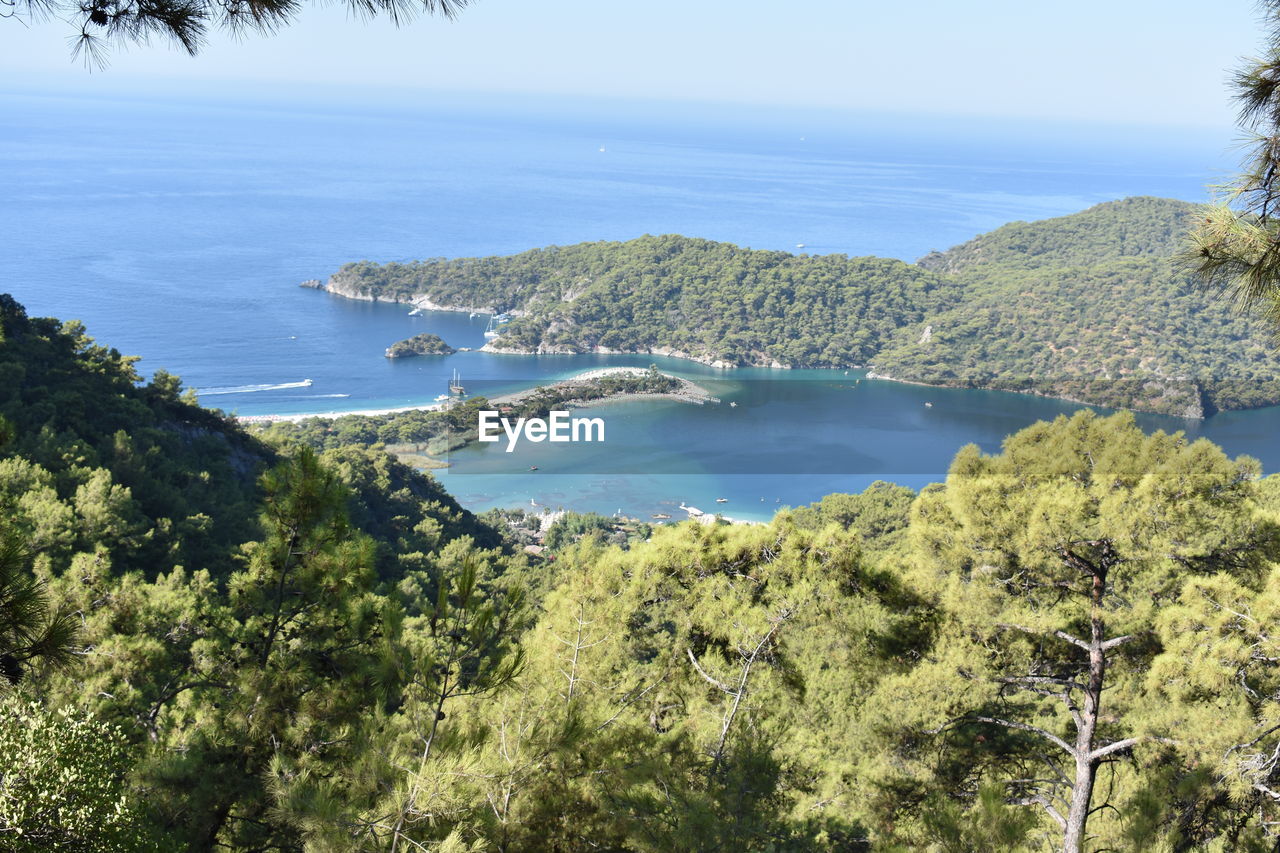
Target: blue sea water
178	231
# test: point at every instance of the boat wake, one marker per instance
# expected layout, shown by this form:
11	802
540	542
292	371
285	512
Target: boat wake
250	389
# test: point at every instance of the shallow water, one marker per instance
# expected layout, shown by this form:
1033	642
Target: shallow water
179	232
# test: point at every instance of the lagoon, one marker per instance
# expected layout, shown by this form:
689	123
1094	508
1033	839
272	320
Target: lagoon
179	232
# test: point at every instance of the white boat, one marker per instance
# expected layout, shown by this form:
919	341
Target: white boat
442	398
489	331
306	383
455	384
722	500
415	312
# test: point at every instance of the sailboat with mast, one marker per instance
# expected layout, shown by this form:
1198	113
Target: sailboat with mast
455	384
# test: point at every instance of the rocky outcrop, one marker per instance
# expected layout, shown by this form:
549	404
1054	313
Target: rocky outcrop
424	344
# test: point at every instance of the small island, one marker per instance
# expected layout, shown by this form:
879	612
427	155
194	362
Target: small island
1090	307
419	345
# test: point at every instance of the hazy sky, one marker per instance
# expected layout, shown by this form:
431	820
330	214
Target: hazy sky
1121	60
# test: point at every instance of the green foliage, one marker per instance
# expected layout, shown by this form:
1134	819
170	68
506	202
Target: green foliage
1090	307
706	299
437	432
460	645
351	662
29	633
1051	564
95	457
880	514
100	25
1234	246
64	783
570	527
419	345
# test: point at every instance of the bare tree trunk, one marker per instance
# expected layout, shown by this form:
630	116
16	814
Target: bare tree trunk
1085	757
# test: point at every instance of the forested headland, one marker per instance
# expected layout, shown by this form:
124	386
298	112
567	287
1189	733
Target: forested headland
1089	307
215	640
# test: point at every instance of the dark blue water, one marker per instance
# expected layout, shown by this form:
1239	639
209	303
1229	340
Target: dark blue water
179	232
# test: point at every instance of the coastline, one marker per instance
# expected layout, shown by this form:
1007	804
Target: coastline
343	290
1198	415
689	393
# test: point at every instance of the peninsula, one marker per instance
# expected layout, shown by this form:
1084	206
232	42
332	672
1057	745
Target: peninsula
420	435
1090	307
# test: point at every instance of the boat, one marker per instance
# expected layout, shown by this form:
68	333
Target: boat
659	515
490	330
533	467
455	384
306	383
442	398
928	405
471	316
415	312
799	245
722	500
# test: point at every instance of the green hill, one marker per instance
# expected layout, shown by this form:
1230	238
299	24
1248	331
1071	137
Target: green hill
1088	307
704	300
98	460
1140	227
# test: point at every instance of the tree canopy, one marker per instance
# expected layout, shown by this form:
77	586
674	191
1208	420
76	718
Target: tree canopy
1065	645
101	25
1088	307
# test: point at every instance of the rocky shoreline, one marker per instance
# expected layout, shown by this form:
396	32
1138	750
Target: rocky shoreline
1193	412
341	288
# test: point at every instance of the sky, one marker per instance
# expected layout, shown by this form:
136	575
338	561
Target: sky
1131	61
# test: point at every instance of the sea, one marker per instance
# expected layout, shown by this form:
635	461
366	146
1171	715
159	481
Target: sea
178	229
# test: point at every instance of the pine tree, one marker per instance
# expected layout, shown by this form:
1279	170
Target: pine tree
1051	561
1236	245
290	668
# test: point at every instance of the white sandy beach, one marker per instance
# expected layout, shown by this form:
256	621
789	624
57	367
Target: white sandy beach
690	392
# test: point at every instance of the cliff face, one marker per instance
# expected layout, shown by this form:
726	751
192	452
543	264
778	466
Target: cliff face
350	287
